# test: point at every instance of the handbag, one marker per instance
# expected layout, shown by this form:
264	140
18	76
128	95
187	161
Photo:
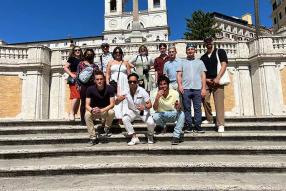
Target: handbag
85	75
224	80
70	80
113	83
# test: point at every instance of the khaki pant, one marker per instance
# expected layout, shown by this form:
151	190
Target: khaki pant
218	95
89	117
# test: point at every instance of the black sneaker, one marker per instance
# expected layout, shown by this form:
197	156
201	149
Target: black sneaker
181	137
107	131
94	141
199	131
175	141
187	128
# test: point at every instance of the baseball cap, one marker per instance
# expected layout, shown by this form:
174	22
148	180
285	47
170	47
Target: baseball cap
191	45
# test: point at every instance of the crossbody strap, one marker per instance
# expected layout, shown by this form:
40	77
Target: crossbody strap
101	63
119	71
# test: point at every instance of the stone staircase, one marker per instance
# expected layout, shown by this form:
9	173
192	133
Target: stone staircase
54	155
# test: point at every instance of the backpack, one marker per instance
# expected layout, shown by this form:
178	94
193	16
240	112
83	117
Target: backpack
85	74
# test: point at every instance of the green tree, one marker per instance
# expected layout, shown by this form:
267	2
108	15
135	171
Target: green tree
200	25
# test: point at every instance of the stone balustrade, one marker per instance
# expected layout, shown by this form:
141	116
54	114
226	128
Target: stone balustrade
13	52
279	43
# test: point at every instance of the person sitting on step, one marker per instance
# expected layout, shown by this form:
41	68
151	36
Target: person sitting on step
166	103
138	107
99	105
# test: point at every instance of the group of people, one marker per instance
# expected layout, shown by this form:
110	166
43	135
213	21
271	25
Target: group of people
125	90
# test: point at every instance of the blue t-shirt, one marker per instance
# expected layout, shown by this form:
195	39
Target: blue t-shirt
170	69
191	73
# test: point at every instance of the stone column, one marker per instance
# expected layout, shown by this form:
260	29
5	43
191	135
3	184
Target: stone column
58	87
266	82
245	95
35	100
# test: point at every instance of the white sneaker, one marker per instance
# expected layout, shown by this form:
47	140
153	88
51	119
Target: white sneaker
220	129
134	141
71	117
206	122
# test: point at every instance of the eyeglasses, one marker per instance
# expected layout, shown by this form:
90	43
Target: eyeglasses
132	82
77	50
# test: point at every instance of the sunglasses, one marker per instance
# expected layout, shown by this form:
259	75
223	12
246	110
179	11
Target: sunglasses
132	82
117	52
77	50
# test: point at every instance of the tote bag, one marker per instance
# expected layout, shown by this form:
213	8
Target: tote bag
224	80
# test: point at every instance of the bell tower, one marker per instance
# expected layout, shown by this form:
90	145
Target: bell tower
118	23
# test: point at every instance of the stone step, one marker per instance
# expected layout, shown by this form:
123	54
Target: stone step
207	181
141	164
160	148
228	119
249	126
28	139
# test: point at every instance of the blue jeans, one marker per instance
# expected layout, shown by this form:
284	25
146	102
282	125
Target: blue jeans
189	96
161	118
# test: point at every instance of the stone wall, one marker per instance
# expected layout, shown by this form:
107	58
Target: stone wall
11	96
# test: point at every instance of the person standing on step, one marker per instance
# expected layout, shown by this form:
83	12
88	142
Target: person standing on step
192	85
99	105
88	62
170	68
212	79
142	64
138	107
161	60
104	58
70	68
116	75
167	105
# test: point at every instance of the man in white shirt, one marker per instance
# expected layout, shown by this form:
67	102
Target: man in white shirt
103	59
139	105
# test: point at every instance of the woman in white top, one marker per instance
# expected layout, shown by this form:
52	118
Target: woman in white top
117	71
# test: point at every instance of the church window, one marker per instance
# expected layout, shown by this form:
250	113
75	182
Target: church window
113	5
156	3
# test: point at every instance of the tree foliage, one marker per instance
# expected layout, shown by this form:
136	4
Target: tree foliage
200	25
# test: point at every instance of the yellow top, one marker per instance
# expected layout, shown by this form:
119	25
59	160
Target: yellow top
166	103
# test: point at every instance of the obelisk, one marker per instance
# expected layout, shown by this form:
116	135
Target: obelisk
136	35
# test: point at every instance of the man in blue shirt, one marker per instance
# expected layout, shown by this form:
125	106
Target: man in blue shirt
170	68
192	85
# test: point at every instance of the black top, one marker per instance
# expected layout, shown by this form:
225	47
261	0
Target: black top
211	62
73	61
99	99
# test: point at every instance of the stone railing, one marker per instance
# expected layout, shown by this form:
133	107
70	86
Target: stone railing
13	52
131	49
279	43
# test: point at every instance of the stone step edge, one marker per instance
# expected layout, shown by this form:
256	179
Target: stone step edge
85	139
95	151
138	125
141	168
8	122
